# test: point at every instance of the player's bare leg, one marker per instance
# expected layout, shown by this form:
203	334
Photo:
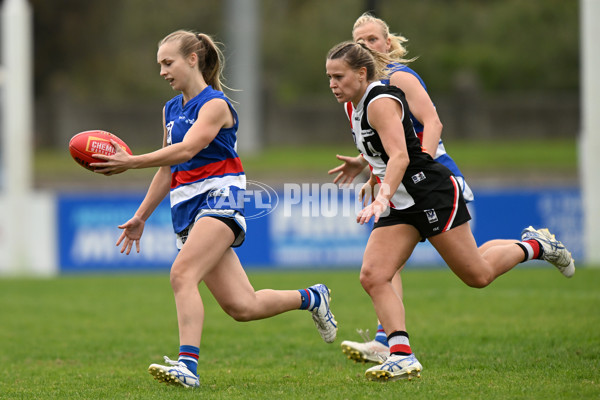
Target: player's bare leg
381	261
377	349
458	248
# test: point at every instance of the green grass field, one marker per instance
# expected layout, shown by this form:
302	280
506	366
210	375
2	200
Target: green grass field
299	163
531	335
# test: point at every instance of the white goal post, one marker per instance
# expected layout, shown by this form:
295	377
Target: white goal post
589	142
27	226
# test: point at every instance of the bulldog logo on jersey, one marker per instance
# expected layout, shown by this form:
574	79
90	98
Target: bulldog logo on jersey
431	216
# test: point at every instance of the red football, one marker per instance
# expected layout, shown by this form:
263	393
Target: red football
84	144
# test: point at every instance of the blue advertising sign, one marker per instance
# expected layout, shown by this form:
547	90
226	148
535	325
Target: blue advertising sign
301	226
316	226
88	230
503	213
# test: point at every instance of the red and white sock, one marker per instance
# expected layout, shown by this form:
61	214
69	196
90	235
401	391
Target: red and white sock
532	249
399	344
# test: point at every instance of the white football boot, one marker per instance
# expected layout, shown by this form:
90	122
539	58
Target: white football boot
322	316
553	251
367	351
395	367
175	374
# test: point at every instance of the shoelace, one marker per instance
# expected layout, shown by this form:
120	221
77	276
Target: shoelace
364	334
169	361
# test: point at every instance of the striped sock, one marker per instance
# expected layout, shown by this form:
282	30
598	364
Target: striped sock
532	249
310	299
380	336
399	344
189	356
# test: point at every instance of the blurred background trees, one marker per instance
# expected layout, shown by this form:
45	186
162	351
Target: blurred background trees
494	68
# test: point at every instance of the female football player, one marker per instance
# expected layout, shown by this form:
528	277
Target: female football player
375	34
418	199
202	174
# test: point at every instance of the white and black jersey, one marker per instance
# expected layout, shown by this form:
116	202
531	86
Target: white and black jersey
422	175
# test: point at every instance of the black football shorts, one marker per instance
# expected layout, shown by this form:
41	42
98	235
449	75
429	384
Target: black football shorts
442	209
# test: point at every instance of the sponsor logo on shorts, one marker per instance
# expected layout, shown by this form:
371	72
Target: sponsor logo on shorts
431	216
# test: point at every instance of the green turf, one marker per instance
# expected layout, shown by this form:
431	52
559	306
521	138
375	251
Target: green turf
531	335
472	156
509	155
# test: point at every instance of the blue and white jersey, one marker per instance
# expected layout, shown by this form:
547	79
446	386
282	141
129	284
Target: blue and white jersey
440	154
212	179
